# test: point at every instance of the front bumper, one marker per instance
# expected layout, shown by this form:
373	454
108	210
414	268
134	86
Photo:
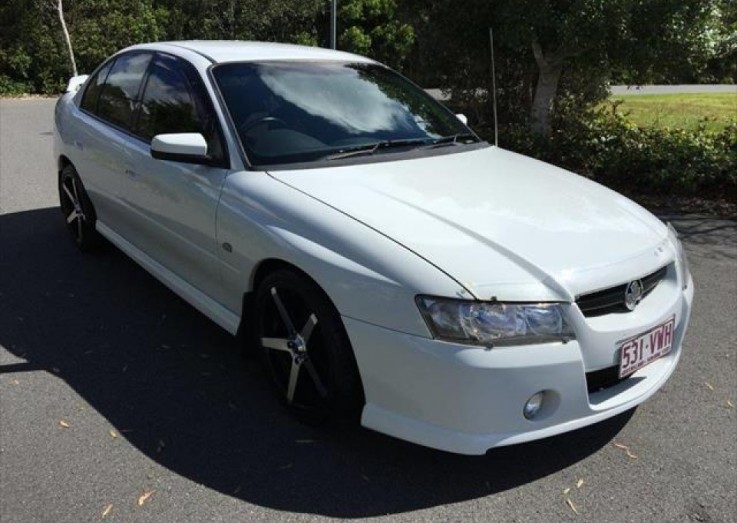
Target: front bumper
467	399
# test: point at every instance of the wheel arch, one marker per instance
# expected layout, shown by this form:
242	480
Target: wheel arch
259	273
62	162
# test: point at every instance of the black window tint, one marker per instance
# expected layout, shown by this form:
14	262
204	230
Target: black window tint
206	113
94	86
118	97
167	105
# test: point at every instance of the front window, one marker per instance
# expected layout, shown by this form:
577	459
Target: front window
299	112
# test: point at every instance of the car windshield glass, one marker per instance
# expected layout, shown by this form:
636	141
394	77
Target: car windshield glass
296	112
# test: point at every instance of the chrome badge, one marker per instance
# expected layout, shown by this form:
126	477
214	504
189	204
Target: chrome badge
633	294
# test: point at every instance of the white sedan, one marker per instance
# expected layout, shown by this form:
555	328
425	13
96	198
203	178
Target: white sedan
383	260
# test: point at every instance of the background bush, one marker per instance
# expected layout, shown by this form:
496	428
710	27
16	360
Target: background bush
604	146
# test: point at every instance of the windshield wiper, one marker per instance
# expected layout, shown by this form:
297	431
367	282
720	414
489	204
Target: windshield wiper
371	148
451	140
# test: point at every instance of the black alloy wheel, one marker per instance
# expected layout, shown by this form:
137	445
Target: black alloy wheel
77	209
306	350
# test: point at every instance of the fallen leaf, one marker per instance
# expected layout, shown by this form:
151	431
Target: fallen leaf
237	489
730	404
630	455
161	446
113	434
64	424
566	490
709	385
15	382
579	483
55	370
107	510
620	446
570	504
145	497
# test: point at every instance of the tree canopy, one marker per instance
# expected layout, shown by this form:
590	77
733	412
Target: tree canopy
550	53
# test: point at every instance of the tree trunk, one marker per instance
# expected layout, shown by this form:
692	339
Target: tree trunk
550	69
60	10
543	103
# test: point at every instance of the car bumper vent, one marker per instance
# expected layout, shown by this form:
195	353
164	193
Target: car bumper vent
603	379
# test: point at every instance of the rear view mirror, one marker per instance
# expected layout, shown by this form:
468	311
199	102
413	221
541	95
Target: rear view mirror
180	147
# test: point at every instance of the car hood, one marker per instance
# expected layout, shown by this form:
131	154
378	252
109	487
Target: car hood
503	225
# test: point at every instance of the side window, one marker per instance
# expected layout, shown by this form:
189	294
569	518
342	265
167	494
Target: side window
119	95
175	101
94	86
167	105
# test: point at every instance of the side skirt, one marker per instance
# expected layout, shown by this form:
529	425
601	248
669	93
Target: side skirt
199	300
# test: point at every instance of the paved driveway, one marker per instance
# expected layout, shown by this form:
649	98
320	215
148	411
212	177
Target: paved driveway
112	388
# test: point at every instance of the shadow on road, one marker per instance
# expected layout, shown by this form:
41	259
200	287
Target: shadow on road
713	238
158	371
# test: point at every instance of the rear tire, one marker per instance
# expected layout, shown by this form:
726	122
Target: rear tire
78	210
305	349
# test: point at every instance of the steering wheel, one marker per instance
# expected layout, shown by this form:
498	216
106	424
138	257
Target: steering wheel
247	126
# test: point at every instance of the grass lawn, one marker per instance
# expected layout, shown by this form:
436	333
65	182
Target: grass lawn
684	111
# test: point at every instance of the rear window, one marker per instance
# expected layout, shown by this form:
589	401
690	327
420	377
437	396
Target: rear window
94	86
119	94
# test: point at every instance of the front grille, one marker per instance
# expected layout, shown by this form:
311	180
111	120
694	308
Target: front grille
603	379
612	299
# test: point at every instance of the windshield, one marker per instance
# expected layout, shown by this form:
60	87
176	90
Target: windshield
297	112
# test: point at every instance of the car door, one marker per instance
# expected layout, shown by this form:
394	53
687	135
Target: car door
173	204
106	115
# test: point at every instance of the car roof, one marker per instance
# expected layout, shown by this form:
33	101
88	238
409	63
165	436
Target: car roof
220	51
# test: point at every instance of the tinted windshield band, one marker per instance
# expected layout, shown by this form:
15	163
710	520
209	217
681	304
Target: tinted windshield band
297	112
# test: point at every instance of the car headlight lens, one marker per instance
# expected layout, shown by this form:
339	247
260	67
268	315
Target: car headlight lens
682	267
494	323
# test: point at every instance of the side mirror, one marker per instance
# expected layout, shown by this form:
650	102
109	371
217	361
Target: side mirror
462	118
75	82
180	147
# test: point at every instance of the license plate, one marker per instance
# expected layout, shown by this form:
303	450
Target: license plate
645	348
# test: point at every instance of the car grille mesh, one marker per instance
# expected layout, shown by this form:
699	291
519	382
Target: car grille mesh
612	299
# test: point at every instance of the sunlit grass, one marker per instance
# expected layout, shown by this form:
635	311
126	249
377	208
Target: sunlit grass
684	111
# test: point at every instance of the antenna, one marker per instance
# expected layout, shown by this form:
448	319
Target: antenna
333	24
493	88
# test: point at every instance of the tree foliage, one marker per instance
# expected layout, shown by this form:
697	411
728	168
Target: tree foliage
33	56
371	27
552	49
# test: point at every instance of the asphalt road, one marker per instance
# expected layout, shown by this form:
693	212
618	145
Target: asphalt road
154	398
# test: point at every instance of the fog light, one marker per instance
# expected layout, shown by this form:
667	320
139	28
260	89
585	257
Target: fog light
533	405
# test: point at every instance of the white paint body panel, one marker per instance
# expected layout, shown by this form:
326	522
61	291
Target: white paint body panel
478	224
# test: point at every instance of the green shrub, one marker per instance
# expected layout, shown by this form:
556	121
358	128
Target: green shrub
648	161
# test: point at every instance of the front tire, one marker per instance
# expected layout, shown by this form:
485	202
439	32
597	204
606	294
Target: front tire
77	209
306	350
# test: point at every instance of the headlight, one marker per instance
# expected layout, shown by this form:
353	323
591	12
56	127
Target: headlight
494	323
681	260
